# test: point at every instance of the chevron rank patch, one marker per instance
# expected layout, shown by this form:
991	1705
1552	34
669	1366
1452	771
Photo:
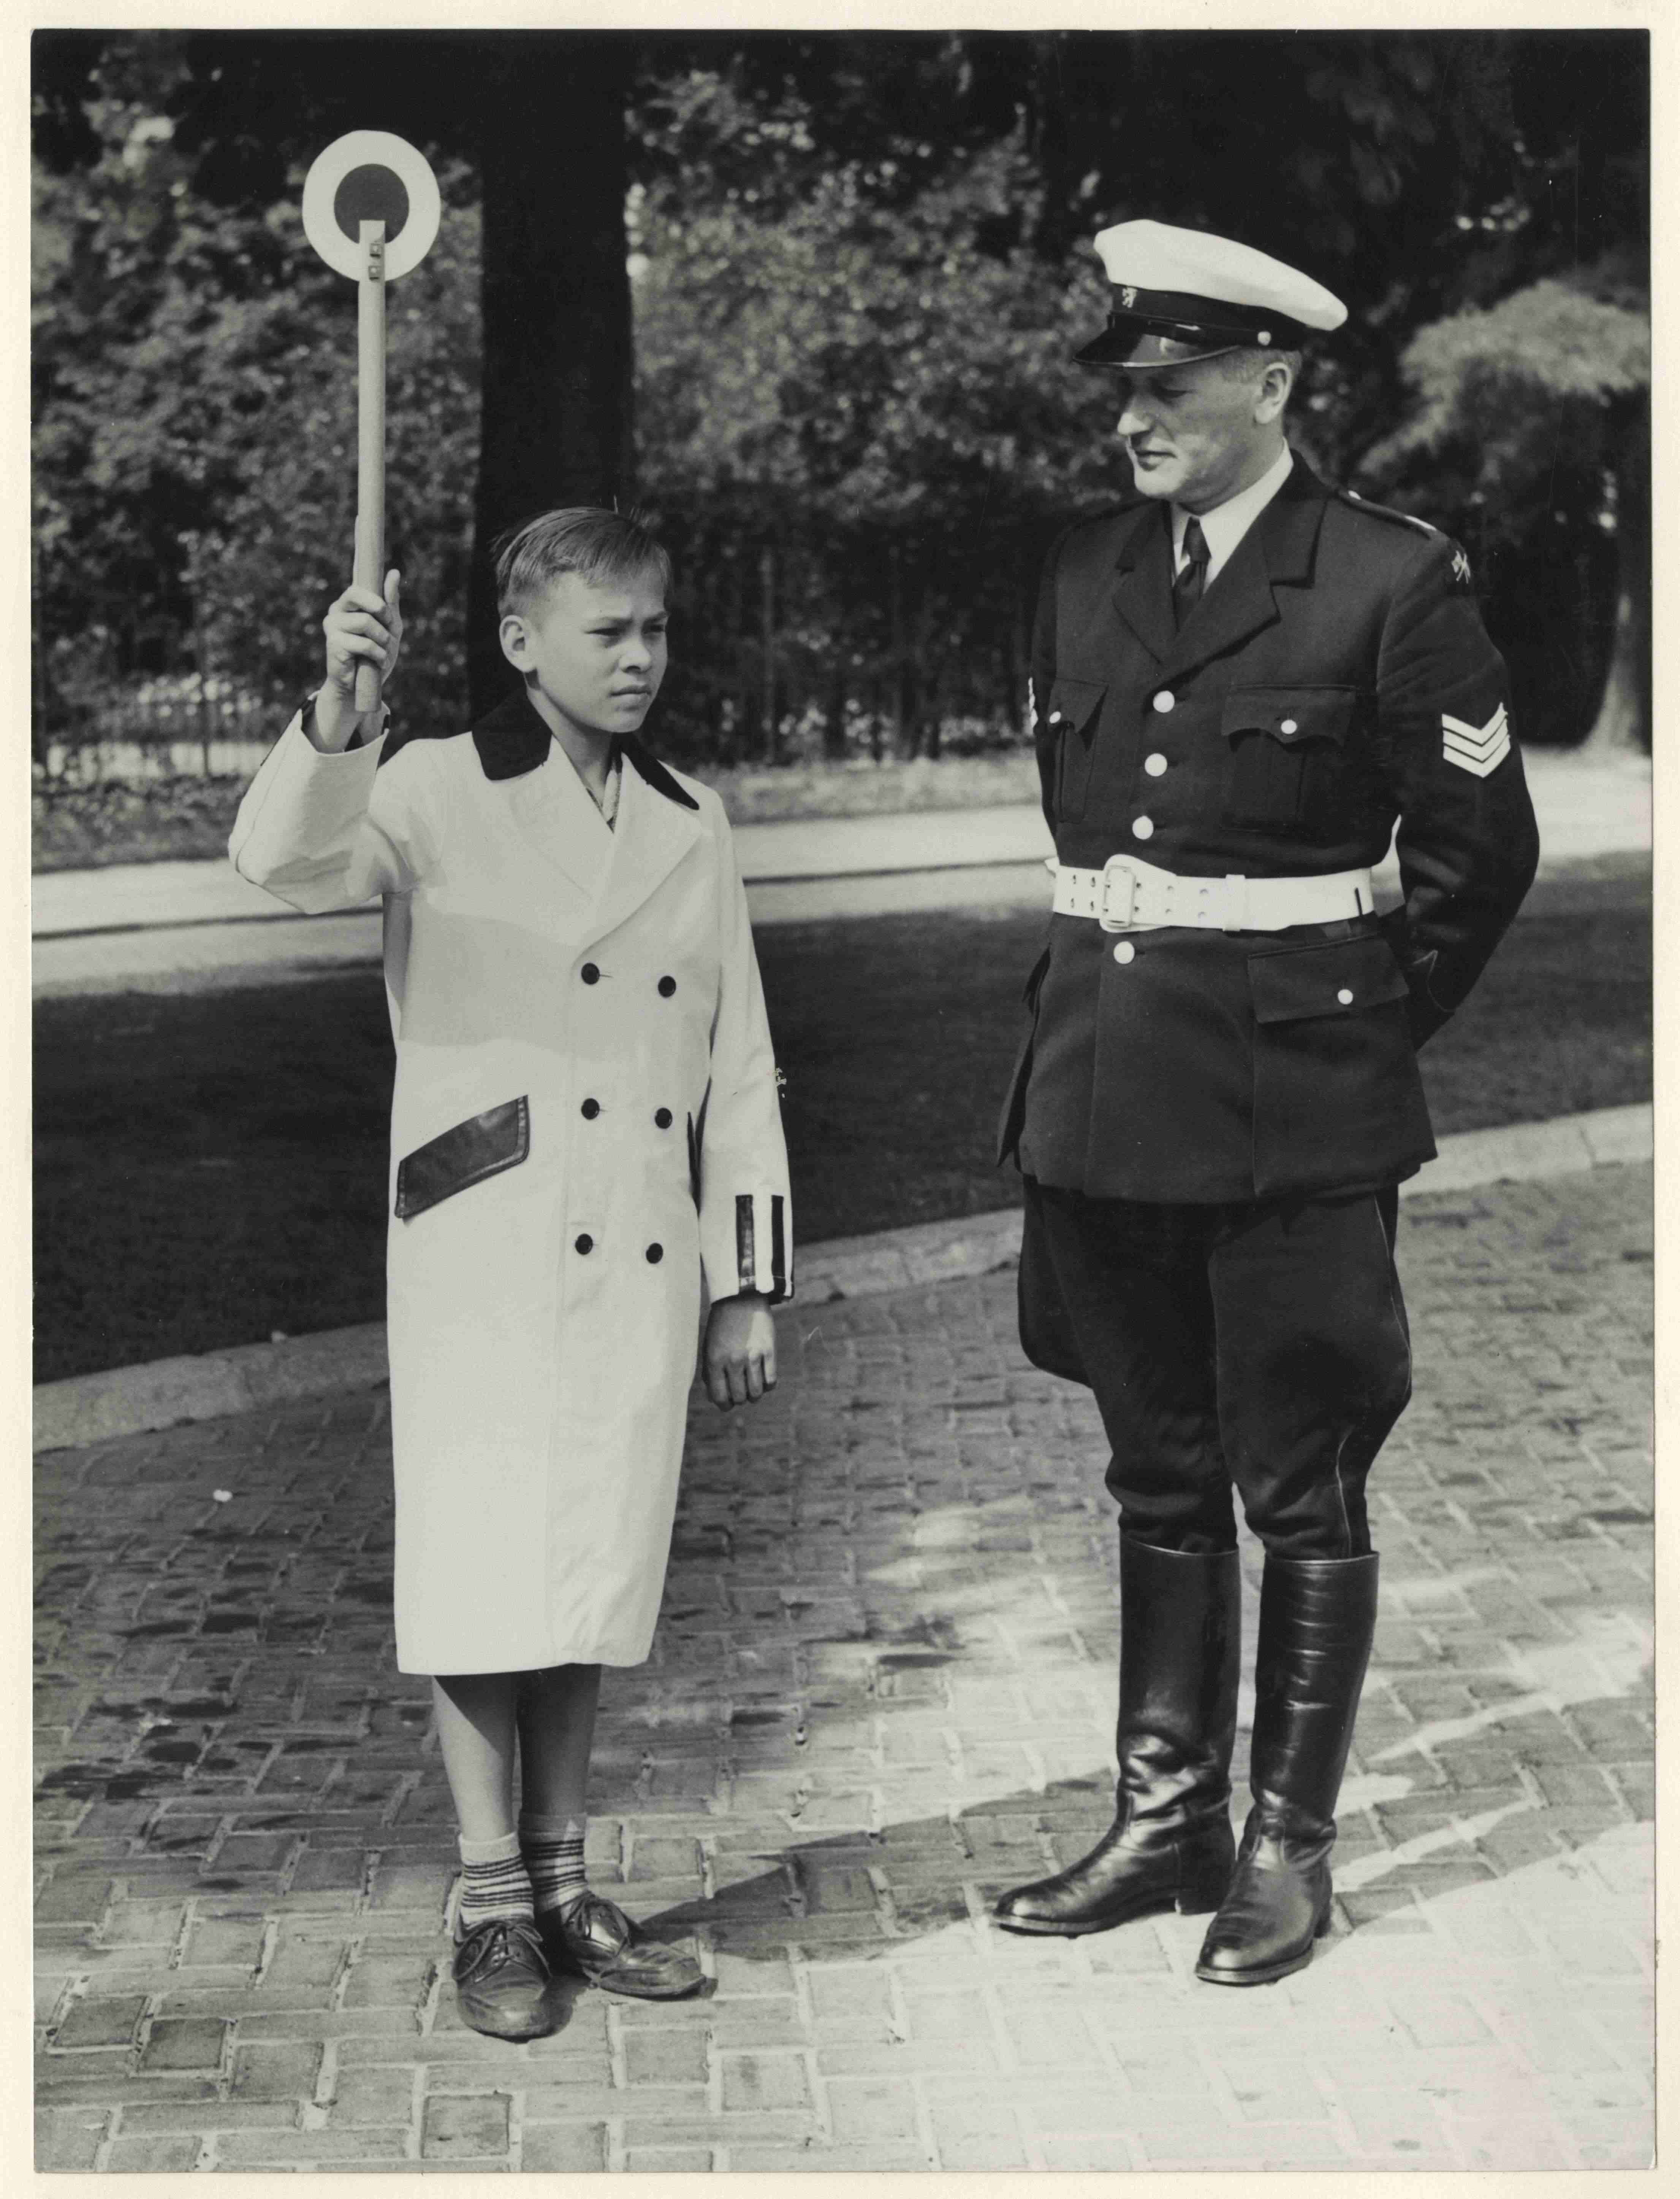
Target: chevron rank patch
1478	749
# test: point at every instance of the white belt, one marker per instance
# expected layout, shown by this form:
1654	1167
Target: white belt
1129	895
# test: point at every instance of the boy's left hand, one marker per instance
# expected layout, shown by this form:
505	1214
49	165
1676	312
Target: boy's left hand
740	1354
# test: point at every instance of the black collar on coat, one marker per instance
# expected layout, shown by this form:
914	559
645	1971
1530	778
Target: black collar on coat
511	739
1277	551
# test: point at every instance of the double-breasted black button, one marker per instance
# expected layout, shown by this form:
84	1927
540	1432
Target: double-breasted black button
585	1243
591	1109
662	1118
655	1254
667	986
589	973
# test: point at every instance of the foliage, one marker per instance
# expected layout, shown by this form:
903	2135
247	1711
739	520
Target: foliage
1518	381
194	401
882	391
1524	421
860	265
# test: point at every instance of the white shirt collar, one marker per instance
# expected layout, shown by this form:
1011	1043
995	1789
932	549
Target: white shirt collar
607	800
1225	526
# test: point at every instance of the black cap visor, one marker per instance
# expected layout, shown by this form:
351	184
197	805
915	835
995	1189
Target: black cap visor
1160	328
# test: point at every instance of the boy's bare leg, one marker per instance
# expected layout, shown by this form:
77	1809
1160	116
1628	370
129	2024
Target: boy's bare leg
502	1978
583	1932
475	1731
557	1733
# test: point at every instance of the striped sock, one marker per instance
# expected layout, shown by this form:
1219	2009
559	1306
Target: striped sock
493	1883
553	1853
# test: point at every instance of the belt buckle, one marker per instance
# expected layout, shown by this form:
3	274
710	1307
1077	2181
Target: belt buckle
1114	869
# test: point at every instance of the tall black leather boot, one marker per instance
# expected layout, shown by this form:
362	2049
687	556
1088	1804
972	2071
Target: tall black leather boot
1318	1616
1170	1844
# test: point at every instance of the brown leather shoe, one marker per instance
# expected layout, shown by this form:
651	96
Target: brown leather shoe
503	1982
593	1939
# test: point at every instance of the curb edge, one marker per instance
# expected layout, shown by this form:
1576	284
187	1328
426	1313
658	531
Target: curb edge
124	1401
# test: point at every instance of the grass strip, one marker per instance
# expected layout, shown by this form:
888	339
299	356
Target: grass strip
210	1166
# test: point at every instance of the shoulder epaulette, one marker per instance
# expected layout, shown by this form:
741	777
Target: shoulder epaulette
1351	496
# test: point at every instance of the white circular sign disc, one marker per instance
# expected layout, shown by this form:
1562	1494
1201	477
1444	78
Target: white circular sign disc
371	175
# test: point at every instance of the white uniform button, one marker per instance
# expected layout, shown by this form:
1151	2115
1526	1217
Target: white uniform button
1055	717
1345	997
1289	726
1164	701
1155	765
1124	951
1143	828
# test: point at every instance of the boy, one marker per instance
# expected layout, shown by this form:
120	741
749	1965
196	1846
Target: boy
585	1119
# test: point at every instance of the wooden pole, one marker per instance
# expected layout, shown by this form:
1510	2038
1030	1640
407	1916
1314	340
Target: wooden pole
369	564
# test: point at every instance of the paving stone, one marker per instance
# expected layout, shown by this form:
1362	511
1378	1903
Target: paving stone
566	2147
192	2043
882	1692
151	2155
472	2126
373	2095
665	2058
307	2149
864	2107
96	2023
754	2080
69	2138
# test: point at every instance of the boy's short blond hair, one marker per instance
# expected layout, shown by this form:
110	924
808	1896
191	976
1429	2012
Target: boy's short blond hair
604	548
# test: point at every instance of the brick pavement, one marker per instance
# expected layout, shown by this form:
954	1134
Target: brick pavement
883	1689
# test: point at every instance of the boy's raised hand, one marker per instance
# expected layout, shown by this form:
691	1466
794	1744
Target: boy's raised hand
360	628
740	1354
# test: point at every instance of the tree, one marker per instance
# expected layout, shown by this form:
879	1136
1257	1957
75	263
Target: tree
1541	404
535	118
195	444
862	263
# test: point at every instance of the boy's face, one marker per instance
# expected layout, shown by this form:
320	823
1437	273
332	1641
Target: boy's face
596	654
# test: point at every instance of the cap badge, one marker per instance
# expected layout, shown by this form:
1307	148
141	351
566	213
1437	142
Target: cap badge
1128	296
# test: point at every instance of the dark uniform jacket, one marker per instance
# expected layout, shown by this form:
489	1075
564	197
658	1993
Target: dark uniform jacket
1335	677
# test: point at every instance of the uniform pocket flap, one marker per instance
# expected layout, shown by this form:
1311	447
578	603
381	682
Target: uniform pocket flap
1290	714
1075	702
1337	980
483	1145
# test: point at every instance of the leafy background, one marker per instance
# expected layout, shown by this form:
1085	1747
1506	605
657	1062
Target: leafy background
853	268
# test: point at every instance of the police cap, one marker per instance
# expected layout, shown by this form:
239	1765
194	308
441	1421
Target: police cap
1180	294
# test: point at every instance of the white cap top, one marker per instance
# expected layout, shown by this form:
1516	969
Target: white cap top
1149	255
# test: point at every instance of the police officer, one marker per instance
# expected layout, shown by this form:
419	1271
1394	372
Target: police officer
1241	680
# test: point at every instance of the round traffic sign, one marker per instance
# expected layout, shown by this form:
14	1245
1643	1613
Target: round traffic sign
371	175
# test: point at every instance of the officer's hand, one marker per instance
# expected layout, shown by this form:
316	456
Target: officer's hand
740	1354
361	629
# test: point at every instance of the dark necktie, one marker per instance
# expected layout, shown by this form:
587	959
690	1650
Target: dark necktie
1189	583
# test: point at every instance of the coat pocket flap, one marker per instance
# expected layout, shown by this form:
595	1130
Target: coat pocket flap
483	1145
1290	714
1075	703
1338	980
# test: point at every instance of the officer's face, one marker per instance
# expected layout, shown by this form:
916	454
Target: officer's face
1198	434
596	655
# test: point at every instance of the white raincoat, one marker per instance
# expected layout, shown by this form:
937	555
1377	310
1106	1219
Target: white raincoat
581	1027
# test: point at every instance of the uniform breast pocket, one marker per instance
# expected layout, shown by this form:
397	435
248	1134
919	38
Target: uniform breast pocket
1072	722
1287	753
